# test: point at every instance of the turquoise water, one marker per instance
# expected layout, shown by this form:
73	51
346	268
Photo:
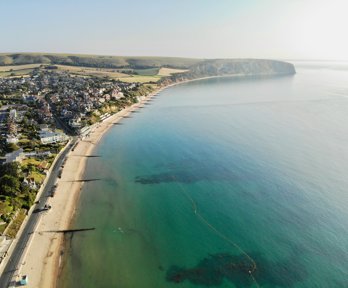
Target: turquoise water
211	165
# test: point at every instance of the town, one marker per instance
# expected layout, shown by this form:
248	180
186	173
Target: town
39	114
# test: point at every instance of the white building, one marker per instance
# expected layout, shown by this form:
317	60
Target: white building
49	137
117	95
11	139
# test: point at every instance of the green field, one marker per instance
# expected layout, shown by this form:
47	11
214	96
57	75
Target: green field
169	71
88	71
18	67
140	79
17	70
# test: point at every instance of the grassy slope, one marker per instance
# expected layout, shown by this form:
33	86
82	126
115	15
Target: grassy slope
169	71
96	60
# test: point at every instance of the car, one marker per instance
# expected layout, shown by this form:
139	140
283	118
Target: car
46	207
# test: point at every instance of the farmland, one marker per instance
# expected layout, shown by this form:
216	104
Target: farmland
129	75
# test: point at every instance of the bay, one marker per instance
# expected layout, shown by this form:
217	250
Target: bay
218	178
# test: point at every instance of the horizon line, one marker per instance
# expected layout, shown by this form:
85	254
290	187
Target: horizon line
185	57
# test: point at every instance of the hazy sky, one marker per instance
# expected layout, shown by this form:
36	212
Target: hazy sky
283	29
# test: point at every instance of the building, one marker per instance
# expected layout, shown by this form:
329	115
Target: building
15	156
29	183
116	94
75	122
13	114
49	137
29	98
11	139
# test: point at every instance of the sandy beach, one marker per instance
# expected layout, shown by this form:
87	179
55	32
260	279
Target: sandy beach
42	256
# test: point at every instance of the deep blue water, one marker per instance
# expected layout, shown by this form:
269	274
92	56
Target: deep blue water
216	178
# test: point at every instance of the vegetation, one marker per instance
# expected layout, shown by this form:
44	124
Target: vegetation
96	61
128	75
88	71
11	68
17	70
140	79
237	67
142	90
13	195
169	71
15	225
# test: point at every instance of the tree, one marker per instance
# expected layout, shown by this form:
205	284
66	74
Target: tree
11	169
12	147
9	185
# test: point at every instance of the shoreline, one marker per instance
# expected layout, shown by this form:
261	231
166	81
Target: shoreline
48	247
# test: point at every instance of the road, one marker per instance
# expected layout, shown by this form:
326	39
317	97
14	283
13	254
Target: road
13	263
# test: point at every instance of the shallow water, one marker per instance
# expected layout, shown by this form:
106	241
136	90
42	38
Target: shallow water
217	175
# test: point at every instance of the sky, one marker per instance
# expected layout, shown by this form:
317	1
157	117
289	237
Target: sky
277	29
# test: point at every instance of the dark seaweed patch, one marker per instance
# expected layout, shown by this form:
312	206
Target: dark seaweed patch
213	270
188	176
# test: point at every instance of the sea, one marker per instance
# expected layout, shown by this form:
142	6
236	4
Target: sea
225	182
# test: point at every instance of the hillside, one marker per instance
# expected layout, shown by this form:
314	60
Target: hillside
142	69
96	60
240	67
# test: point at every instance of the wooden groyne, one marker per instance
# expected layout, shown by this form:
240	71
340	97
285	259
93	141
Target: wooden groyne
71	230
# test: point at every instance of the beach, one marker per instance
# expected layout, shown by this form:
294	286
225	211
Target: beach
42	256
